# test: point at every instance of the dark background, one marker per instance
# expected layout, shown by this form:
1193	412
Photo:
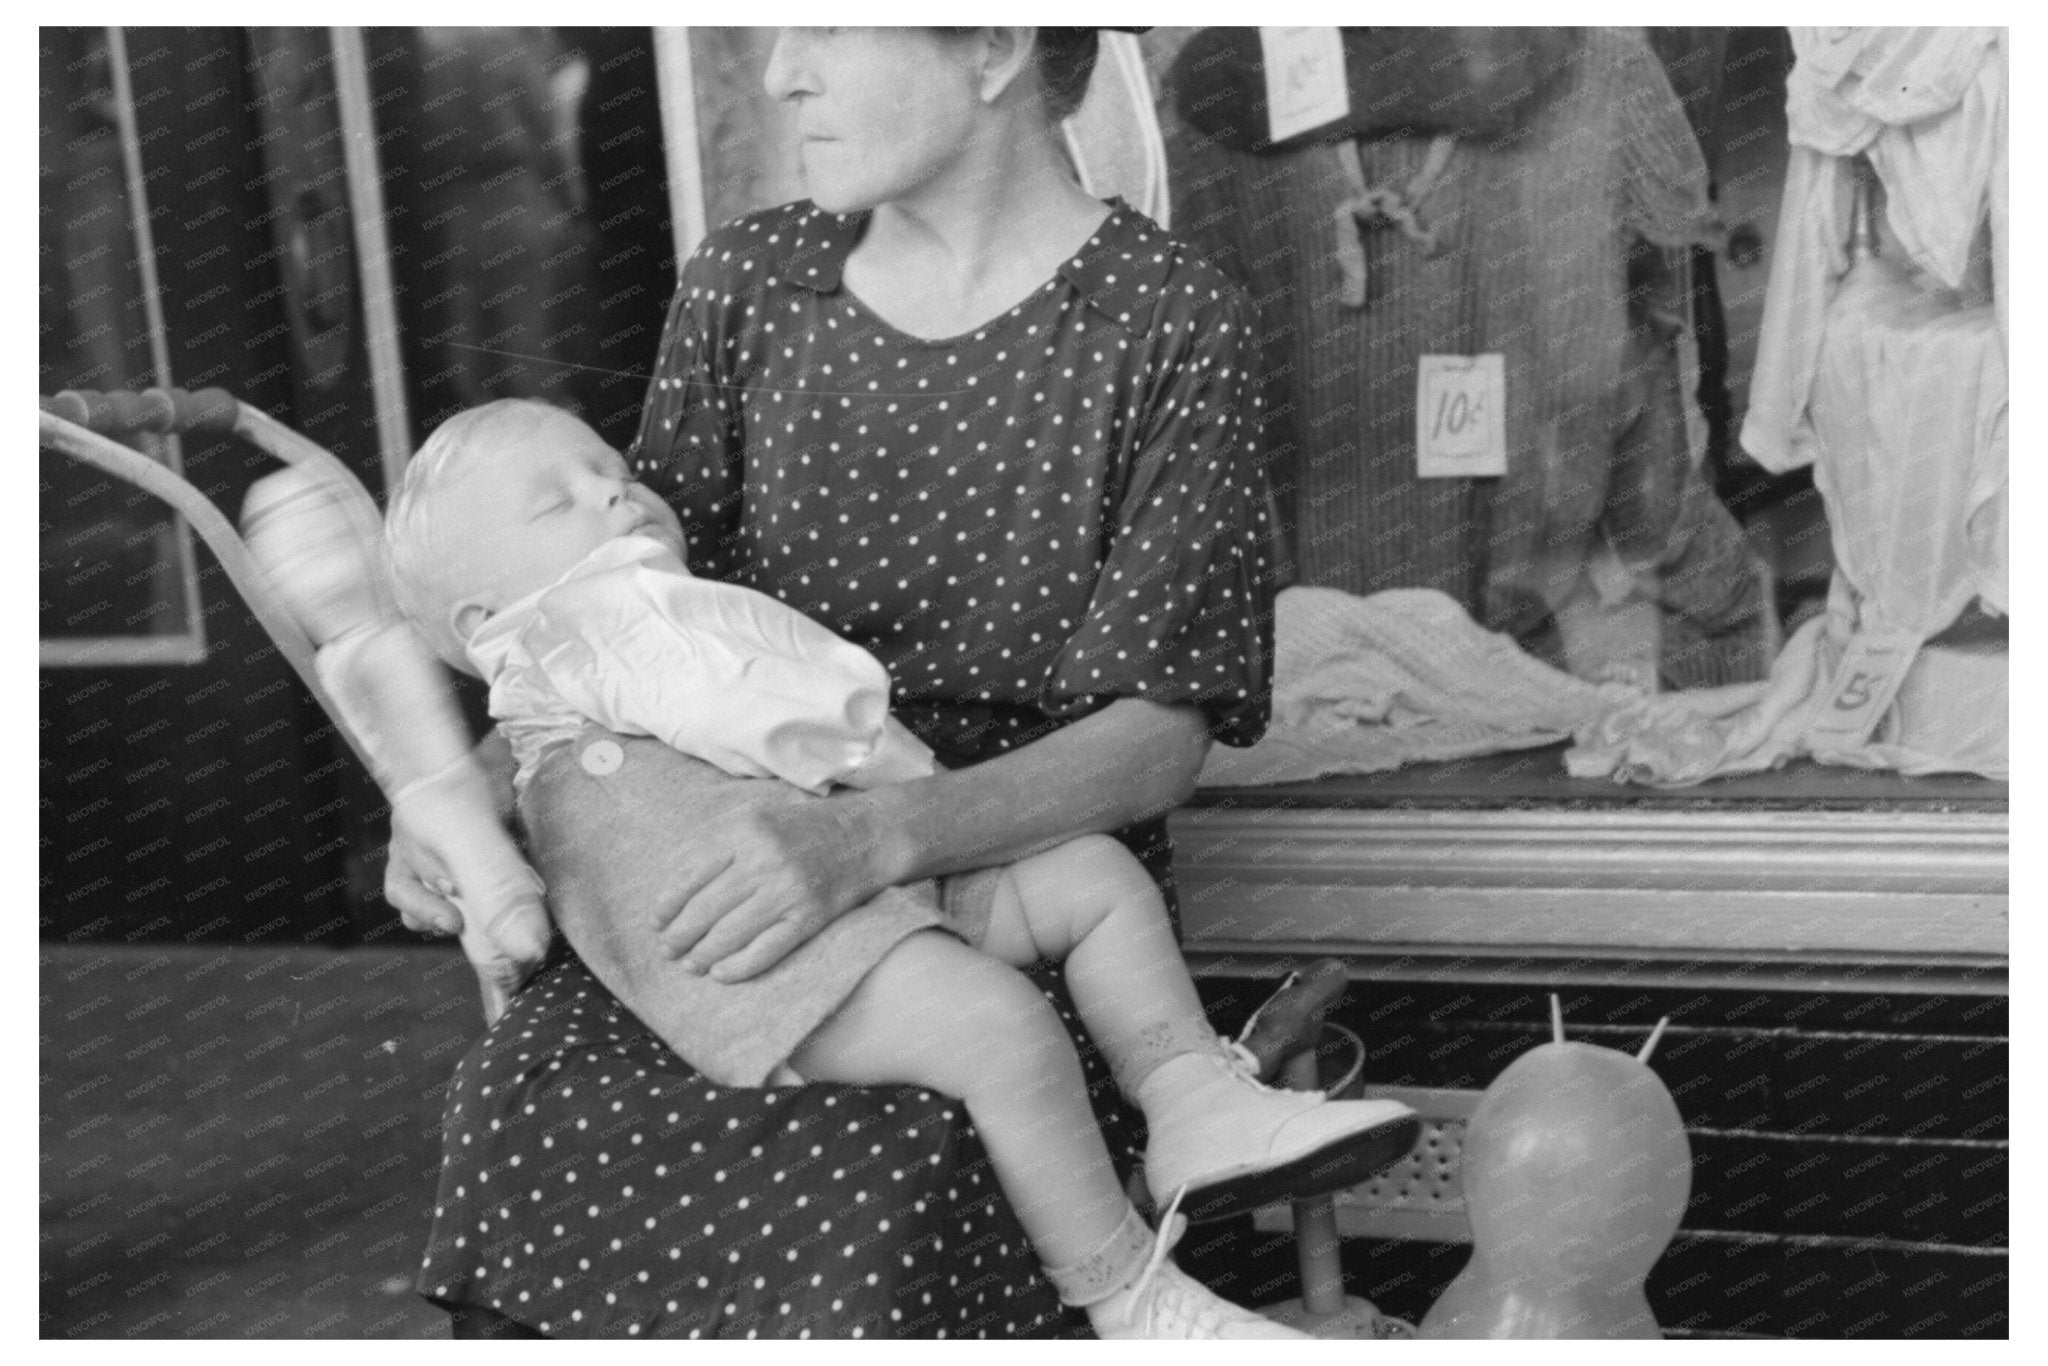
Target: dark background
211	802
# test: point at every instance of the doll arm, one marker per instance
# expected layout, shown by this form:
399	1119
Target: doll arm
382	681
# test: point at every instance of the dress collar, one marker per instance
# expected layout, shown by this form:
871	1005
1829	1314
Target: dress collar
1121	270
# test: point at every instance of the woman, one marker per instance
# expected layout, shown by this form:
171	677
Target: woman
995	432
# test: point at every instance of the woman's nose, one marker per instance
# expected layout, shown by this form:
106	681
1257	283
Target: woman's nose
788	74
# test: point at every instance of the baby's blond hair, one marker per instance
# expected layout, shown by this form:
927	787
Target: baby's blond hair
414	534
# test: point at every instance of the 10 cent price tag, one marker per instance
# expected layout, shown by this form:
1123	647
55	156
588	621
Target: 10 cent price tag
1460	417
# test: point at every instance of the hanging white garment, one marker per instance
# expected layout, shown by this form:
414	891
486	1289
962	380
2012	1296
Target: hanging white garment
1909	413
1928	107
1113	139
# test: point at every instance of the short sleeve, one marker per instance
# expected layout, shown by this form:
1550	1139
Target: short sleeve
689	445
1660	177
1217	190
1183	608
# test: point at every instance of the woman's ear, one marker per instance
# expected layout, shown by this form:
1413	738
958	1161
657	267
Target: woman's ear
1008	52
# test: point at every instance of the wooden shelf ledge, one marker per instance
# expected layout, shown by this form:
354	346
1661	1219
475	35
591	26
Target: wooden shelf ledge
1885	899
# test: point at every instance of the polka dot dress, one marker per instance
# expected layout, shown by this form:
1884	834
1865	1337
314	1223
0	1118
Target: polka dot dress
1023	523
594	1185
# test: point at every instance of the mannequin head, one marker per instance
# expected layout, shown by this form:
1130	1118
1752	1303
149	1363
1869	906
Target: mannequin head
1576	1165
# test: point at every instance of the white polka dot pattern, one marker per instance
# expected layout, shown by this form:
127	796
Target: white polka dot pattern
593	1184
1024	522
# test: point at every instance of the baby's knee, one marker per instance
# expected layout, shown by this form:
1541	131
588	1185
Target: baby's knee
1006	1036
1110	867
996	1001
1093	877
960	994
1064	894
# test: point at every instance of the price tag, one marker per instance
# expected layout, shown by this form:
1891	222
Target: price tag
1869	676
1461	417
1305	86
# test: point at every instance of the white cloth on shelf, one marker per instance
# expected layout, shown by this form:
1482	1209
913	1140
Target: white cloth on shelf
1928	106
1367	684
1950	716
631	640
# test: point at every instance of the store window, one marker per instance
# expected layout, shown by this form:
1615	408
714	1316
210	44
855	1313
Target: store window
1577	243
1605	213
1585	346
524	193
116	577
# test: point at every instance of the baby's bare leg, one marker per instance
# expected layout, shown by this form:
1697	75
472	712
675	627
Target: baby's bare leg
1211	1128
1090	903
937	1013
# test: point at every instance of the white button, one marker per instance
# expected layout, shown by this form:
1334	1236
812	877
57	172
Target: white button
601	758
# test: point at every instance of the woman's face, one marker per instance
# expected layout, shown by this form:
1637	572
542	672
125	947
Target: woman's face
881	113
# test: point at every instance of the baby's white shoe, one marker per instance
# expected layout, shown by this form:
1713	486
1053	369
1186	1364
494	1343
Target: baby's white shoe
1165	1302
1235	1144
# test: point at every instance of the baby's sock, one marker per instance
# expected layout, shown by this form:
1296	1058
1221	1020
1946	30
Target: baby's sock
1109	1268
1135	1056
1130	1289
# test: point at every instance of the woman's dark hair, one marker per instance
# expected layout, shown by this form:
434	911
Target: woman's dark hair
1066	58
1065	61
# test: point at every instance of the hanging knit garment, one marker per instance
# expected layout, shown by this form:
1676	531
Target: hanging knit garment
1520	245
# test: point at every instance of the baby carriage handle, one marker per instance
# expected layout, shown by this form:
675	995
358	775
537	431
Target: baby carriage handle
397	694
152	410
78	424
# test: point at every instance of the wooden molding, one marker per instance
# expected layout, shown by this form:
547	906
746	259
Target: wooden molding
1918	897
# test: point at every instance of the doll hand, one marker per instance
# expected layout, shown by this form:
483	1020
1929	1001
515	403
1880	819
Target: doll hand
453	869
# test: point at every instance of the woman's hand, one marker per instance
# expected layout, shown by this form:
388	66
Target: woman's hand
764	880
769	878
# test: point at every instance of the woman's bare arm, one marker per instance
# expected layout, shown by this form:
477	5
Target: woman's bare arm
1130	761
771	879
